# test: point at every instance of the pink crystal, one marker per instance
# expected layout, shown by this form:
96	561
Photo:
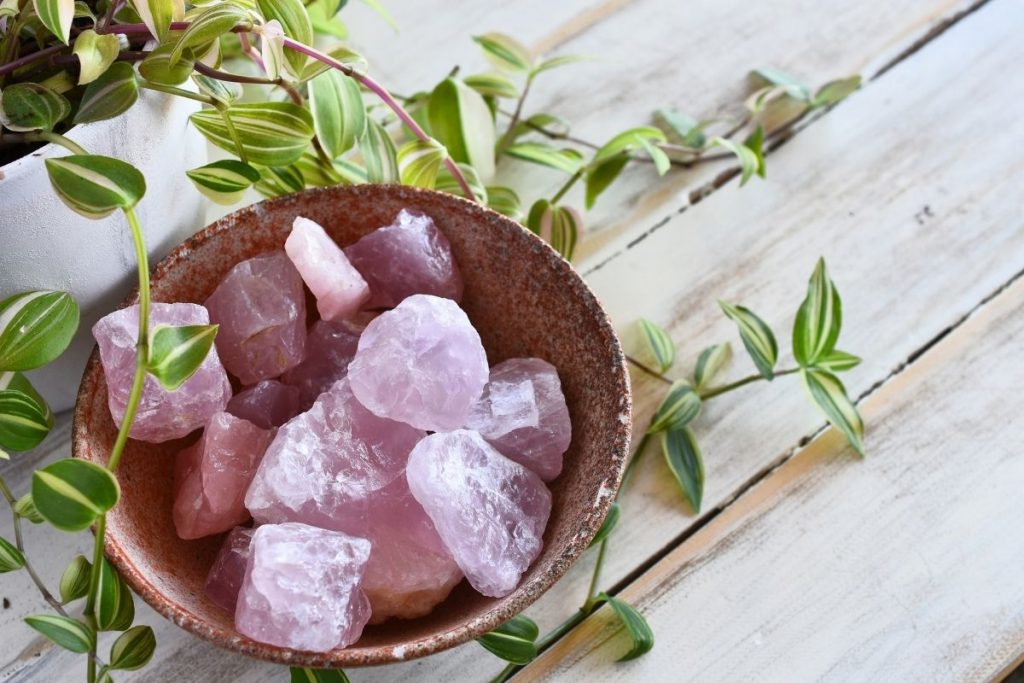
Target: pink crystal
522	413
326	464
267	404
228	570
302	588
410	256
339	289
163	415
490	511
261	309
421	363
330	347
212	476
410	571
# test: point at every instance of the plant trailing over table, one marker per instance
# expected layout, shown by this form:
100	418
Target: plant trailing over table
64	63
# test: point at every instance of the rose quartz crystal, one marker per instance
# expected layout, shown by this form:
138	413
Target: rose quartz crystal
421	363
330	347
339	289
212	476
490	511
522	413
410	571
225	577
267	404
410	256
302	588
163	415
326	464
261	309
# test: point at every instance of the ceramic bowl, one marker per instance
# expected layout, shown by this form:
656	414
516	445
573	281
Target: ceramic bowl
523	299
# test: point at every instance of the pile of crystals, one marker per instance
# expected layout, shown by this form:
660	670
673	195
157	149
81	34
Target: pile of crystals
378	456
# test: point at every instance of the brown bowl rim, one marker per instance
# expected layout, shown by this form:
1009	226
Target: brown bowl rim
354	656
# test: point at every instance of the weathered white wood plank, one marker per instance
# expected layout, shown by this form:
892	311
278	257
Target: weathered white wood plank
904	566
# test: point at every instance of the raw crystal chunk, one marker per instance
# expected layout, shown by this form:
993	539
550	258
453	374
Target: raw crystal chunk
302	588
421	363
330	347
267	404
326	464
261	309
228	570
522	413
212	476
163	415
338	287
410	256
490	511
410	571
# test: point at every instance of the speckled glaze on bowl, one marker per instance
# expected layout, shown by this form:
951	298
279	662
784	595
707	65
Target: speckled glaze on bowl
523	299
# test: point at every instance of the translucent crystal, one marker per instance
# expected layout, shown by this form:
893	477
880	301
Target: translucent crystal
212	476
421	363
162	415
523	414
302	588
266	404
339	289
330	347
490	511
228	570
261	309
410	256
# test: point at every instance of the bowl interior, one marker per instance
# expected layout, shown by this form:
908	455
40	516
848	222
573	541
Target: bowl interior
524	301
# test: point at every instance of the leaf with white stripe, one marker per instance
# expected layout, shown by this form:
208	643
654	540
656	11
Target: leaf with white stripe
829	394
446	182
56	16
74	582
71	494
505	201
115	607
379	154
339	114
66	632
110	95
640	634
133	649
837	361
25	418
559	226
463	123
566	160
419	162
30	106
272	49
177	352
224	181
94	185
296	24
505	52
157	15
492	85
684	459
710	363
26	509
757	338
209	26
35	328
11	558
679	408
271	133
158	66
302	675
513	641
818	320
95	52
658	344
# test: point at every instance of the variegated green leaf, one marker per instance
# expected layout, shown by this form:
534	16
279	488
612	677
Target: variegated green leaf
710	362
834	91
209	26
446	182
25	418
750	162
277	181
95	54
339	114
419	162
559	226
818	320
224	181
56	16
323	16
505	52
126	608
757	338
768	77
629	140
68	633
461	121
94	185
110	95
318	173
555	62
301	675
159	67
222	91
608	526
9	8
682	129
157	15
659	344
837	361
513	641
26	509
70	494
566	160
74	582
599	176
32	106
271	133
830	395
755	143
684	459
493	85
177	352
505	201
11	558
133	649
640	634
296	24
272	49
679	408
35	328
379	154
111	593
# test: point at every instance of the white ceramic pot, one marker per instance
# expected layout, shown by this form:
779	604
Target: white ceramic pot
45	245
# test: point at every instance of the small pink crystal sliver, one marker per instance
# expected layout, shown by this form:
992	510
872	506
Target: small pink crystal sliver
330	347
421	363
261	309
339	289
163	415
490	511
228	570
522	413
410	571
302	588
410	256
267	404
324	465
212	476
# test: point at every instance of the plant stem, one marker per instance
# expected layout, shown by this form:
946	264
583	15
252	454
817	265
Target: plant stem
588	604
718	391
56	139
506	139
637	453
19	542
650	371
30	59
573	179
254	80
179	92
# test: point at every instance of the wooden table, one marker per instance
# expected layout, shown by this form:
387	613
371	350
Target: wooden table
805	563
